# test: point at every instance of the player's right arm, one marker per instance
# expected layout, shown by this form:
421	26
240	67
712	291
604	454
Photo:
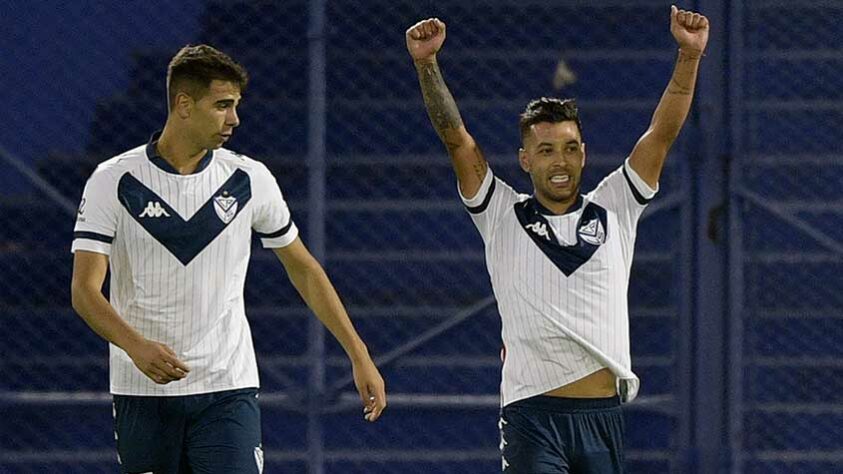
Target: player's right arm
155	360
424	39
96	226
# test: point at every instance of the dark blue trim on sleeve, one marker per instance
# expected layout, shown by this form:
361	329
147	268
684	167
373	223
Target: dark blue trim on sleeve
93	236
635	193
278	233
483	205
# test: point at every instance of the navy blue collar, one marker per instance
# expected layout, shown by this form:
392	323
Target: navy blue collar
157	160
547	212
592	229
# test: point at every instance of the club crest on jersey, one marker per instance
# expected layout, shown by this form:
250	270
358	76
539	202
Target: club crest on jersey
154	209
592	232
226	207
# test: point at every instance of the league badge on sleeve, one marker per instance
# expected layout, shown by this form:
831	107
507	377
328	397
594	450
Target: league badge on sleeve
226	207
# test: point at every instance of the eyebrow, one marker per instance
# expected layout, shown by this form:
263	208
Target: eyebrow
569	142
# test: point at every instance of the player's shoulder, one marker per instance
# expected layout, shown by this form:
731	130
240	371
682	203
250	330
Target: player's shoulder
239	160
506	190
613	180
115	167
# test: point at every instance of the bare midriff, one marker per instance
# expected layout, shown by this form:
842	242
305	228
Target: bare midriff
600	384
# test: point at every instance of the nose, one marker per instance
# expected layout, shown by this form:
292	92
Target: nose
231	118
558	160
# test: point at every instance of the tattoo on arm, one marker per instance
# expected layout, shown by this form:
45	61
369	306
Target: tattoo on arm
675	88
682	75
440	104
480	165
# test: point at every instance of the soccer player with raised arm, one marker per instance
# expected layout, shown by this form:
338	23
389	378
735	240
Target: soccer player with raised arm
173	220
559	261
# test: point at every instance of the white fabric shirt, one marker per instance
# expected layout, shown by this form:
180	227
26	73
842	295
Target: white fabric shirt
178	250
564	314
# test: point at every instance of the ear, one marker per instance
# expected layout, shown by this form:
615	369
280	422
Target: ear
583	154
523	160
183	106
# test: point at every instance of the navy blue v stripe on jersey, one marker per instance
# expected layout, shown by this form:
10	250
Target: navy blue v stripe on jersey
568	258
184	239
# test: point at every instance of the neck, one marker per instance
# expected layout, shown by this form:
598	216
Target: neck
181	154
557	207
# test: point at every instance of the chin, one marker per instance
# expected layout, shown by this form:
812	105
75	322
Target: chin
564	197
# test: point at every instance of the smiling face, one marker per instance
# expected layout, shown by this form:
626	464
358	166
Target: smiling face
553	154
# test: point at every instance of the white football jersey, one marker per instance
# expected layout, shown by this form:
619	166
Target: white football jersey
561	281
178	248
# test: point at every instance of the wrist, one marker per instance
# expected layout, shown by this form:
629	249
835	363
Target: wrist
691	53
130	342
425	61
358	353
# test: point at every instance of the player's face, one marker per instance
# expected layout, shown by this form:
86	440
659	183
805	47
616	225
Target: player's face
554	156
215	115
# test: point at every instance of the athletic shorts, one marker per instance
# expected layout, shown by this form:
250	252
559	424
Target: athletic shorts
552	435
210	433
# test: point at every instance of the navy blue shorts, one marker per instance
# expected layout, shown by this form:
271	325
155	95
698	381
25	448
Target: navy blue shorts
552	435
199	434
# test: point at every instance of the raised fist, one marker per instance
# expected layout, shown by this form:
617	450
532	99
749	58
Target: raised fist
690	29
425	38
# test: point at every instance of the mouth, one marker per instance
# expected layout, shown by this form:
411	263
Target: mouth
560	180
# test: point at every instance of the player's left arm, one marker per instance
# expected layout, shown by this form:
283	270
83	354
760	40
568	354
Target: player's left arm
690	30
316	289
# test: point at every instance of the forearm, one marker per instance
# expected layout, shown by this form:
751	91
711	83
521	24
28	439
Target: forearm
440	104
98	313
466	158
675	103
317	291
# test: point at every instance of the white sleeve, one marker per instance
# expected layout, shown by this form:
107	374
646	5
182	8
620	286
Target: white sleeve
272	221
624	193
96	218
488	206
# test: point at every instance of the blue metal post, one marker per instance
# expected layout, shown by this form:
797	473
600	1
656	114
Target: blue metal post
709	167
685	317
736	257
316	225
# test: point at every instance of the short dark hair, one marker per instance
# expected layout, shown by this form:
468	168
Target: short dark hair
549	109
194	67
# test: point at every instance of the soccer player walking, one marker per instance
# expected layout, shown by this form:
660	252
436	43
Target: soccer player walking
559	261
173	220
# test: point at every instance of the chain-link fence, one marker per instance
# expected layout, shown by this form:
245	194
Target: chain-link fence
788	201
333	109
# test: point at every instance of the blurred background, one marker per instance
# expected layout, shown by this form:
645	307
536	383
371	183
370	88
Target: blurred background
737	287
